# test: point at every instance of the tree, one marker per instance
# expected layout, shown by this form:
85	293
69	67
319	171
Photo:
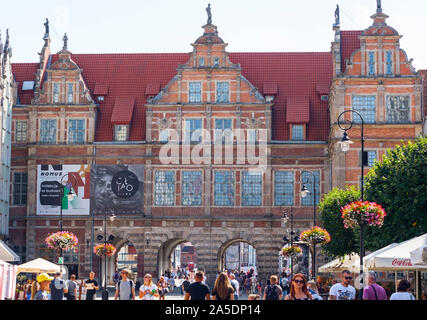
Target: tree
399	184
343	241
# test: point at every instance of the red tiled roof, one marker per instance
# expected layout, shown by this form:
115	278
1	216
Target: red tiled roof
323	88
349	43
128	75
24	72
101	89
152	88
298	110
269	88
123	110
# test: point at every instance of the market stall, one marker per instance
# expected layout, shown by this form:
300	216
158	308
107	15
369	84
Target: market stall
8	275
40	265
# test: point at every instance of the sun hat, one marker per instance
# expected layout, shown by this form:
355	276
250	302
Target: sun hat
44	277
125	270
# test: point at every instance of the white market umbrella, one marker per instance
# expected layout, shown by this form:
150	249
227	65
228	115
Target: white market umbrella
340	264
419	256
38	266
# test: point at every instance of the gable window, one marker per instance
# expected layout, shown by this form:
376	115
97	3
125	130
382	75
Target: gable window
193	130
297	132
76	131
371	55
365	105
20	188
284	188
224	188
252	188
121	132
216	62
308	199
195	93
389	62
191	188
47	131
398	109
201	62
55	92
21	131
222	92
70	93
164	188
223	129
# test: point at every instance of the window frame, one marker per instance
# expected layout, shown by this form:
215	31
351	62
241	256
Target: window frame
371	63
218	86
184	194
364	109
41	139
304	200
70	93
190	131
118	126
293	126
388	118
56	89
193	93
21	194
251	195
21	131
284	182
69	127
155	193
219	202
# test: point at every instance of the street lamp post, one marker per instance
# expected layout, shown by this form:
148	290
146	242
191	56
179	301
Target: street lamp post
112	217
285	219
345	146
70	196
304	193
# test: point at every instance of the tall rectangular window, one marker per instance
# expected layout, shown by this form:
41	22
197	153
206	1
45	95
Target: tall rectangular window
216	62
47	131
164	135
389	63
164	188
251	188
398	109
192	188
308	199
201	62
195	93
20	188
284	188
222	92
55	92
21	131
223	128
372	156
121	132
224	188
365	105
297	132
371	55
193	130
70	93
76	131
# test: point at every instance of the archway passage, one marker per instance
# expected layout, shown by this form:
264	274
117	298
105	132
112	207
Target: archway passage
240	256
127	257
176	255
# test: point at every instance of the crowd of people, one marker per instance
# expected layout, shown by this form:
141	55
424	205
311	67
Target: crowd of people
229	285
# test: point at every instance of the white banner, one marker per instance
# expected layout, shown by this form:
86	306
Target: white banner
51	179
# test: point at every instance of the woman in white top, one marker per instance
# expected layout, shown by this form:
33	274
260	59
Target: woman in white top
402	291
148	290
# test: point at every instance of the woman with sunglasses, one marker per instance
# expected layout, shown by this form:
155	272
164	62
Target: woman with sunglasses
148	290
299	290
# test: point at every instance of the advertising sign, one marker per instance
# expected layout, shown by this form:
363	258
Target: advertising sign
117	189
52	180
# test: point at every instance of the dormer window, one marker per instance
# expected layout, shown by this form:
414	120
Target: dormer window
216	62
269	99
201	62
55	92
100	98
371	55
121	132
324	97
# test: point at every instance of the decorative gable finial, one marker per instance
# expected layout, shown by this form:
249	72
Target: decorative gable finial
379	9
337	16
65	39
6	42
46	26
208	10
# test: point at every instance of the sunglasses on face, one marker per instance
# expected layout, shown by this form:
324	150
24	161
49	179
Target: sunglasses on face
299	281
348	278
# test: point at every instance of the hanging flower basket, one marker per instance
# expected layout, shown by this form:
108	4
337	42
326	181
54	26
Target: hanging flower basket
64	240
291	251
104	249
315	236
363	212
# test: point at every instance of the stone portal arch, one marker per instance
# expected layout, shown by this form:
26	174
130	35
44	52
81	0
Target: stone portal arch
223	248
165	252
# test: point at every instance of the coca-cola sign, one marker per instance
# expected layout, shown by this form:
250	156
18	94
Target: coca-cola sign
402	262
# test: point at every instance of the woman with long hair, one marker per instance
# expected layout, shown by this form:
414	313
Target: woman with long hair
223	290
299	290
162	287
148	290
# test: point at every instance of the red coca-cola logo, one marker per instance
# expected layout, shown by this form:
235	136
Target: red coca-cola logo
402	263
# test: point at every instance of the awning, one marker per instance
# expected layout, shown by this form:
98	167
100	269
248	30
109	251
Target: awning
7	254
269	89
298	110
340	264
152	88
101	89
419	256
40	265
123	110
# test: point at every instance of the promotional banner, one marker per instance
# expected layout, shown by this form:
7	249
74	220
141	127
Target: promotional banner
117	189
53	179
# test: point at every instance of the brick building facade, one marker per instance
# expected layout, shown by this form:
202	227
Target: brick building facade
128	110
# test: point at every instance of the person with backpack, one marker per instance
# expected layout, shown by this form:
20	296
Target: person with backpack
273	291
284	284
125	289
185	284
235	284
373	291
72	288
57	287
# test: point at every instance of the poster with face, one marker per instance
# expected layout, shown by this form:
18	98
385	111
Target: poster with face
117	189
73	180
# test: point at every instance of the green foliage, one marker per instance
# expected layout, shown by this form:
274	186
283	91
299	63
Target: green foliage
343	241
399	184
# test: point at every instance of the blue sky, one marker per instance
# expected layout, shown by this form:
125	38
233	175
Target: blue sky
128	26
